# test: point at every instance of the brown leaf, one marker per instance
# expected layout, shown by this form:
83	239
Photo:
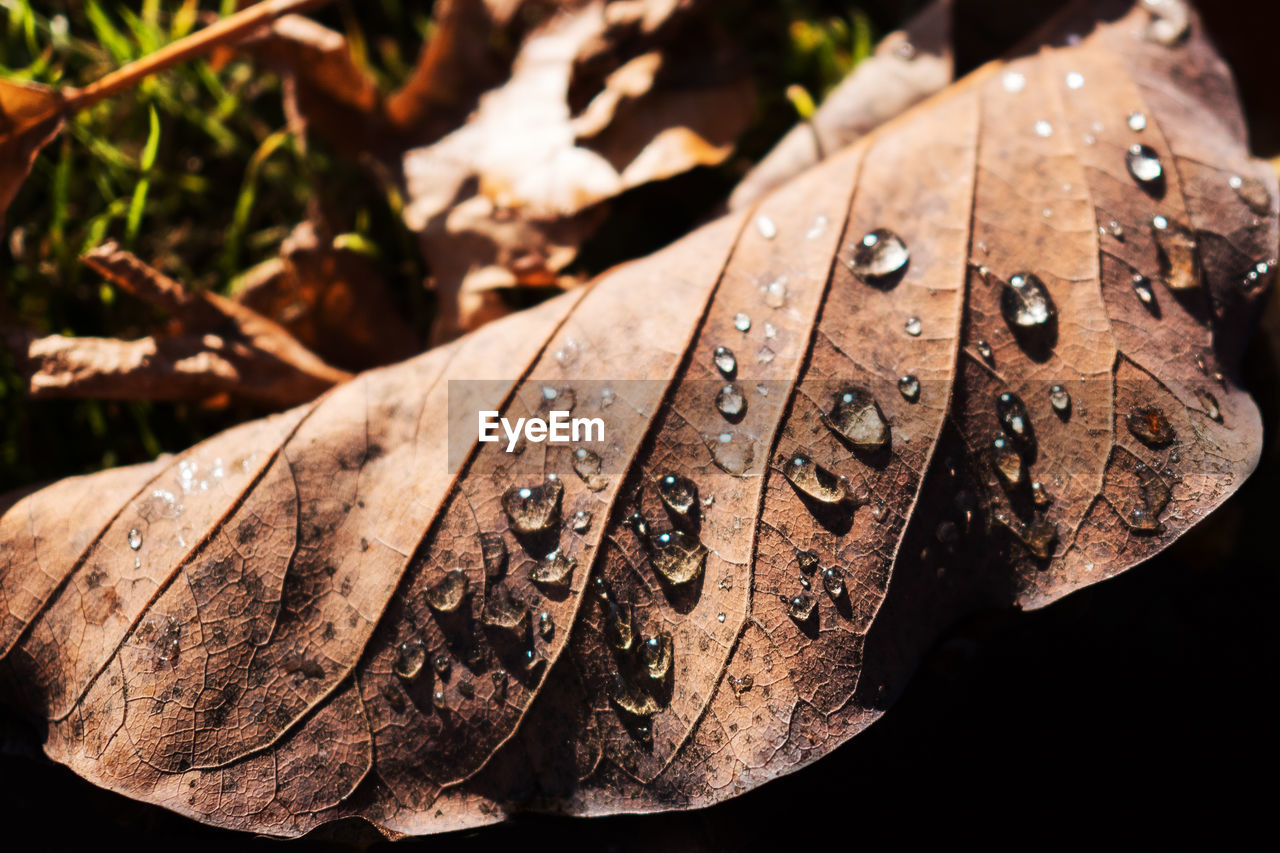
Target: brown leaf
30	116
357	609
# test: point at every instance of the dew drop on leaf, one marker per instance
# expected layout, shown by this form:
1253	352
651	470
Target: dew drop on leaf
1149	425
815	481
1253	193
1012	414
1142	288
1144	164
1060	399
833	582
1137	121
1179	259
135	539
742	322
411	657
725	361
678	556
619	626
679	494
656	654
1169	21
587	465
1006	460
554	570
447	594
493	553
800	607
913	327
1025	302
533	509
731	402
909	387
856	417
807	560
878	255
546	625
984	350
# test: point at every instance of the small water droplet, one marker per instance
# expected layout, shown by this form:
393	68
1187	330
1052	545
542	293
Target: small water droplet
1137	121
1115	229
719	617
856	417
807	560
1060	399
766	355
1144	164
620	626
1039	537
678	556
582	521
135	539
1012	414
741	322
632	700
1179	256
766	227
447	594
411	657
568	353
1149	425
1209	404
833	582
1253	193
1043	128
1040	495
505	613
442	665
984	350
909	387
1025	302
818	228
1142	288
775	293
1169	21
879	255
731	402
493	553
741	684
1013	81
554	570
815	481
533	509
1006	460
656	654
546	625
770	331
679	494
587	465
607	398
1075	80
725	361
912	327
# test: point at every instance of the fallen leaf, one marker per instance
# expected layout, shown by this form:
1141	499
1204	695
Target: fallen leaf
357	609
30	116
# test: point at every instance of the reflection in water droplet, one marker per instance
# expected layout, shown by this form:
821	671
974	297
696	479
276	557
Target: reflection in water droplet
913	327
879	254
1043	128
775	293
815	481
546	625
984	350
620	626
731	402
725	361
568	353
800	607
1253	193
446	595
1006	460
1149	425
1137	121
587	465
411	657
1012	414
1075	80
807	560
505	613
678	556
1013	81
493	552
1142	288
533	509
1040	495
1060	399
1179	258
1039	537
1209	404
741	322
833	582
766	227
656	654
1144	164
909	387
856	417
582	521
1025	302
555	570
135	539
734	454
679	494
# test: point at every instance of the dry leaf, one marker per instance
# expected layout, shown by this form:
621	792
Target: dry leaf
354	609
30	116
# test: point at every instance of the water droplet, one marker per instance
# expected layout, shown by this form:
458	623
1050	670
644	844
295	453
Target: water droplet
656	654
815	481
582	521
1115	229
442	665
719	617
1153	496
775	293
1060	399
1012	414
1144	164
411	657
1137	121
1040	495
909	387
533	509
741	322
833	582
1025	302
1075	80
546	625
807	560
555	570
1043	128
766	227
766	355
678	556
800	607
1142	288
1014	82
732	453
731	402
912	327
1209	404
770	331
679	494
505	613
741	684
447	594
856	417
620	626
818	228
879	511
587	465
1007	461
1039	537
607	398
632	700
1169	21
879	255
493	553
725	361
1253	193
135	539
1149	425
984	350
568	353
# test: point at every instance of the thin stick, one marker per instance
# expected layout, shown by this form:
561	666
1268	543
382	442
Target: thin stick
228	29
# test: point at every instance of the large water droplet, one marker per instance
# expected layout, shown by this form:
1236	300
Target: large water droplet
1253	193
587	465
913	327
678	556
447	594
533	509
1144	164
1012	414
1060	399
800	607
1149	425
493	553
679	494
1179	257
731	402
879	255
1007	461
656	654
1025	302
620	626
856	417
631	699
909	387
554	570
505	613
135	539
734	454
411	657
815	481
807	560
725	361
833	582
